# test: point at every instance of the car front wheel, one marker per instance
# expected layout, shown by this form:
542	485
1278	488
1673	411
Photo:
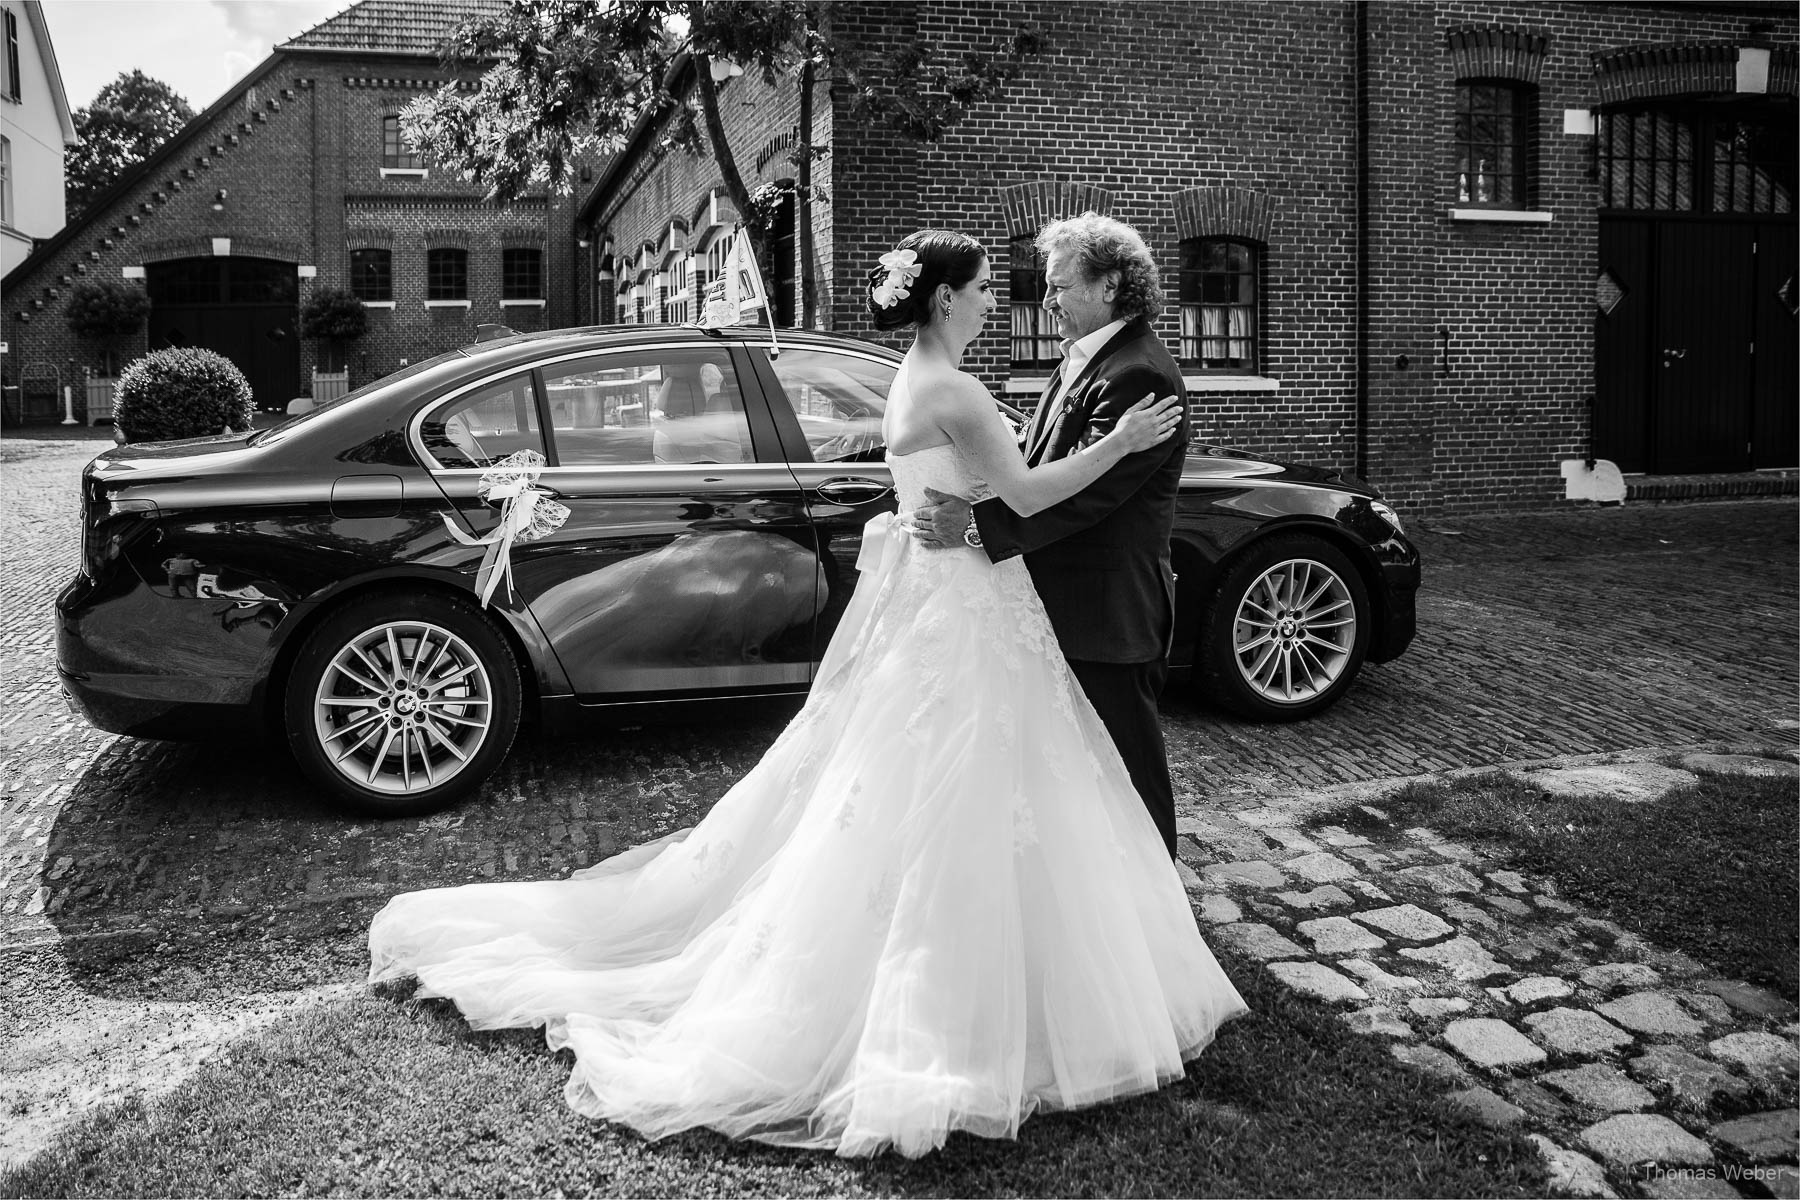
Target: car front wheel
400	705
1284	635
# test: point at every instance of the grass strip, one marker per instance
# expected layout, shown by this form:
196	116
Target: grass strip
373	1096
1711	869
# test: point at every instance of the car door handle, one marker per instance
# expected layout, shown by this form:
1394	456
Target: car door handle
853	491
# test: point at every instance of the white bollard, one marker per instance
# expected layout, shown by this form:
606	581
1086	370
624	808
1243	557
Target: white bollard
68	405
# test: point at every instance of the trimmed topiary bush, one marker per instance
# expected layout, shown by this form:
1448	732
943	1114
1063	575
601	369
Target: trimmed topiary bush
105	312
334	317
179	393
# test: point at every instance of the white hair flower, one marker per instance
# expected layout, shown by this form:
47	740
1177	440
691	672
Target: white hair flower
902	269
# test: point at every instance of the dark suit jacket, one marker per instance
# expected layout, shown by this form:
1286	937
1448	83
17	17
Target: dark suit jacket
1100	559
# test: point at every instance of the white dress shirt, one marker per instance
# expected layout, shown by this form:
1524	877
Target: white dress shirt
1076	355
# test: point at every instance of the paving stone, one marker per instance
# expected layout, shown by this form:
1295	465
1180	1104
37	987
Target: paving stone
1434	1007
1337	835
1489	1042
1692	1082
1189	879
1747	999
1577	1031
1572	1173
1552	904
1653	1014
1374	977
1467	915
1761	1137
1742	764
1380	814
1627	1140
1784	1184
1512	881
1370	858
1600	1087
1320	867
1291	839
1486	1107
1378	1021
1510	905
1762	1055
1318	980
1265	817
1220	910
1539	1102
1539	988
1431	1060
1329	896
1632	782
1618	976
1254	873
1455	851
1407	921
1461	956
1688	1183
1260	941
1706	1006
1338	935
1371	891
1675	965
1522	950
1442	878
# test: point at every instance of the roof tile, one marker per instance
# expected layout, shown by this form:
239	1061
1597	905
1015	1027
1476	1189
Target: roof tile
392	26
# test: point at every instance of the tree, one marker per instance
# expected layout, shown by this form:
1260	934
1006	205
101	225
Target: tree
130	118
569	78
333	316
105	312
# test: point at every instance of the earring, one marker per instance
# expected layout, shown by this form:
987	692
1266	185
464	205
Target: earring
946	310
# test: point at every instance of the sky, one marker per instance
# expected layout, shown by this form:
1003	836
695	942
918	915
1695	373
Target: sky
198	47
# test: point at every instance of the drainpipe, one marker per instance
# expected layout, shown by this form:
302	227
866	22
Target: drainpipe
1361	11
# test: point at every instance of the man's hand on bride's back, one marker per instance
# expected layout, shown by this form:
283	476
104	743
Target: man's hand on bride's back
938	525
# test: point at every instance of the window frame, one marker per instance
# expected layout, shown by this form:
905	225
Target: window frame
511	289
1025	266
434	289
15	90
1256	273
387	271
1698	169
396	159
7	215
1518	137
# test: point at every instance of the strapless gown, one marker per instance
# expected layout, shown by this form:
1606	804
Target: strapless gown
935	904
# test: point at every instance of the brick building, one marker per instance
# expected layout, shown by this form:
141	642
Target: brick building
1448	245
297	179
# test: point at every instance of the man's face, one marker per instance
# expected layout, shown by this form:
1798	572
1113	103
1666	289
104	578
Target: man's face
1079	305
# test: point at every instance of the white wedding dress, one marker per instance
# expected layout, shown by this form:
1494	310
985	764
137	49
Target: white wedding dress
935	904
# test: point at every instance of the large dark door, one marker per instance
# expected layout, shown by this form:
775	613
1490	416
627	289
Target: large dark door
244	308
1775	431
1700	373
1622	341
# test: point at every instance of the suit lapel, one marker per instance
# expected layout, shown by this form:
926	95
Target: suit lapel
1072	411
1042	421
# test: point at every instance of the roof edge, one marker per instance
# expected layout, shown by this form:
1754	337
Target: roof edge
40	32
640	133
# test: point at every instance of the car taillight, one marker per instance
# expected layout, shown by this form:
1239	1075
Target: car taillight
106	524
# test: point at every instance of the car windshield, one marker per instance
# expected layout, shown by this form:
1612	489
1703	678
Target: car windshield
269	437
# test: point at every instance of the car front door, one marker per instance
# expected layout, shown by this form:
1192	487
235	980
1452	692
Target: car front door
830	427
686	563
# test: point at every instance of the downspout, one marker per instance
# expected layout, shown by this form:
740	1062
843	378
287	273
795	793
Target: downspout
1361	10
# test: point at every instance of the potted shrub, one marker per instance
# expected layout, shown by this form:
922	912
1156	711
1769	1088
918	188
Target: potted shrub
179	393
334	317
105	312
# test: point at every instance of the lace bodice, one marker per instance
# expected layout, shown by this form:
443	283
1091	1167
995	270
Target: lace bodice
940	467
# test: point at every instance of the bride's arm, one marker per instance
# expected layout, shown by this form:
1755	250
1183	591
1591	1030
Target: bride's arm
972	422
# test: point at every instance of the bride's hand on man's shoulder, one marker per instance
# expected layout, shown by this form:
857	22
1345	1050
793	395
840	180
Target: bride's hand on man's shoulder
1147	423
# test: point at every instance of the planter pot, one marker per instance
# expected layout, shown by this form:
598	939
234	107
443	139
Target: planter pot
329	385
100	398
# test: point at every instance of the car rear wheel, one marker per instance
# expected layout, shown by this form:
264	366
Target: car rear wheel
1284	635
400	705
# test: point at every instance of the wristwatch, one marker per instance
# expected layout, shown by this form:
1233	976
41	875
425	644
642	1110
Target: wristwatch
972	533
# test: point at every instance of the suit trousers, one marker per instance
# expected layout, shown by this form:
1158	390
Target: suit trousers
1124	694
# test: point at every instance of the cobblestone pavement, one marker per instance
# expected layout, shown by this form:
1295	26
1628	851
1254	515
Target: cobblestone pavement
1589	633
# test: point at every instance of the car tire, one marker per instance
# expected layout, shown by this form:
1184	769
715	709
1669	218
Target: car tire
397	743
1273	645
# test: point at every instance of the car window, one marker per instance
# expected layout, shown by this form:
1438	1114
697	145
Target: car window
839	399
680	404
483	426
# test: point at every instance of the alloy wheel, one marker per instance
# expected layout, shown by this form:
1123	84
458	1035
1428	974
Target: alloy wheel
1294	630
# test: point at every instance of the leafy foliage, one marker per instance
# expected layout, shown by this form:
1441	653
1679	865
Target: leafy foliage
179	393
130	118
107	309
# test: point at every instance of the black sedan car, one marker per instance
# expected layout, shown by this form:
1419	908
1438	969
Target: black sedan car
323	580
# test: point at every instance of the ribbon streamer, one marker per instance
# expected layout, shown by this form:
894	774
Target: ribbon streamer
878	539
526	514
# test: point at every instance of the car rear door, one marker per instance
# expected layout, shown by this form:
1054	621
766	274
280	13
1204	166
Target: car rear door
686	564
827	404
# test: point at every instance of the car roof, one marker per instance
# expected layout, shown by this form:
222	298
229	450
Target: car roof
500	351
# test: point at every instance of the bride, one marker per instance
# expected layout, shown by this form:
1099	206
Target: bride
936	903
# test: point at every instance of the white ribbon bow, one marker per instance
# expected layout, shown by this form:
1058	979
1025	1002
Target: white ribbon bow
526	513
878	541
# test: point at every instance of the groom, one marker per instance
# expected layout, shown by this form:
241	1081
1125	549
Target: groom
1100	559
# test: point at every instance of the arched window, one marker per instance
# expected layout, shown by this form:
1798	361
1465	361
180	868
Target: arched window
676	293
1220	285
1034	340
1493	146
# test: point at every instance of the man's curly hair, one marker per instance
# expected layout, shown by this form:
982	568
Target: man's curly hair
1101	244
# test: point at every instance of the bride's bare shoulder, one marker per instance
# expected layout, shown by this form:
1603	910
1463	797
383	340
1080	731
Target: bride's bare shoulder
946	386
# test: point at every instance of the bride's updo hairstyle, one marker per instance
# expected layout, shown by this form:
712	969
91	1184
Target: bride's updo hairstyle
900	289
